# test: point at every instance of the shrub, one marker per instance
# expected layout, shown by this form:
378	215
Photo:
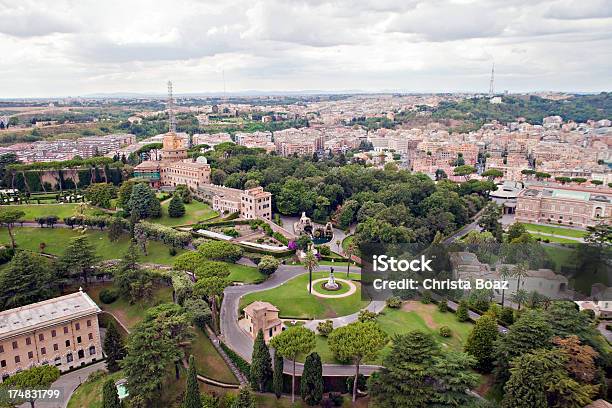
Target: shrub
366	316
268	264
176	208
462	311
172	251
443	306
199	312
325	328
108	296
324	250
362	383
445	331
231	232
394	302
280	238
426	297
240	362
507	316
336	398
220	251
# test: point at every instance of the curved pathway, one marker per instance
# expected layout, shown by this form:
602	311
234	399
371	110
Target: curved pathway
239	341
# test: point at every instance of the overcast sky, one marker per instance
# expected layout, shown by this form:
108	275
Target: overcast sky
78	47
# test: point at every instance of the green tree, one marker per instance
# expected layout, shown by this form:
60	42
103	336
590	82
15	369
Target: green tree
357	342
290	344
349	252
277	378
184	193
36	377
176	208
492	174
113	348
268	265
261	364
515	230
8	218
192	390
78	260
115	229
143	203
245	399
466	171
100	194
188	261
26	279
462	312
310	263
489	220
311	383
110	398
211	288
220	251
453	377
481	342
599	235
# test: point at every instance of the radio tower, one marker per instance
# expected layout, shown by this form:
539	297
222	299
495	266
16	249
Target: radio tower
492	83
171	108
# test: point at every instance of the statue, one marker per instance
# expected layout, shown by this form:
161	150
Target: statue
331	281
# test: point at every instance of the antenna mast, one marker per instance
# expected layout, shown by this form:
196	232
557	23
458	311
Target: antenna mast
492	83
171	108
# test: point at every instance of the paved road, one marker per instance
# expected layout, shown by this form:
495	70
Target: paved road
241	342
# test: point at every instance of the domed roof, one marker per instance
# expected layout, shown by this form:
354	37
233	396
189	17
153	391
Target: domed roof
202	159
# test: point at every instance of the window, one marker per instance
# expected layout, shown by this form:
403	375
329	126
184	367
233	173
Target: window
77	326
43	351
90	336
41	337
53	333
28	341
17	359
57	361
3	363
55	347
81	354
79	339
67	343
30	355
92	350
65	329
15	345
1	349
89	323
69	357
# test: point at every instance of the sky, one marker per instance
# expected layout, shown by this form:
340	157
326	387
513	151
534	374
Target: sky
82	47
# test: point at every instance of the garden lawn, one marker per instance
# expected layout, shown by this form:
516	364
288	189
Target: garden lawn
195	212
347	241
246	274
555	239
128	314
89	393
33	211
57	238
294	301
210	364
549	229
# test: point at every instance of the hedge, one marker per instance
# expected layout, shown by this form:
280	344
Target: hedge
240	362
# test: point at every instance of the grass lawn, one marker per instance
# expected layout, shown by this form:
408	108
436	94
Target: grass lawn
549	229
56	239
293	300
128	314
195	211
347	241
61	210
210	364
246	274
558	240
89	393
412	316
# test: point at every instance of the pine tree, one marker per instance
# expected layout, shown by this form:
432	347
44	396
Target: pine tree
143	203
481	342
110	399
311	384
26	279
244	400
115	229
462	311
113	348
261	366
277	380
78	260
192	393
176	208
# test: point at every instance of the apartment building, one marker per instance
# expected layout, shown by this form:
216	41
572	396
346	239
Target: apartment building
251	204
62	331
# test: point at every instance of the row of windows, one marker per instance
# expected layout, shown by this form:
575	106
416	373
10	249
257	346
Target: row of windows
41	336
58	361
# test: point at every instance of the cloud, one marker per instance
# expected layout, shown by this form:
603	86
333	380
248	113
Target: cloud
32	23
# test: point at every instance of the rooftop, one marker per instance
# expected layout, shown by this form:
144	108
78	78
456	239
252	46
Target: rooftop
48	312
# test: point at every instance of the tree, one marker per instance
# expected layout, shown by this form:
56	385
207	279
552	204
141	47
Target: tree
349	252
492	174
277	378
452	377
520	297
100	194
291	343
188	261
176	208
504	274
115	229
244	399
462	312
580	358
311	383
261	364
220	251
39	377
515	230
26	279
143	203
481	342
110	398
192	390
211	288
466	171
113	348
8	217
268	265
489	220
310	263
184	193
357	342
78	260
599	235
209	269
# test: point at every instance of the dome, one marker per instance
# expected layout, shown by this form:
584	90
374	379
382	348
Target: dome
202	159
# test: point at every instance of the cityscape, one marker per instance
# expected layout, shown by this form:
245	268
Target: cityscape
226	211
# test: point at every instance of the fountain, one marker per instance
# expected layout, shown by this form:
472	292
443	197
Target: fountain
331	283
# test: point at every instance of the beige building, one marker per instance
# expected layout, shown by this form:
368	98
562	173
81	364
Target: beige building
256	203
62	331
262	316
251	204
561	205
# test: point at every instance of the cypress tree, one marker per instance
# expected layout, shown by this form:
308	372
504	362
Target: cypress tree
244	400
110	399
113	348
481	342
261	366
277	380
192	392
462	311
176	208
311	385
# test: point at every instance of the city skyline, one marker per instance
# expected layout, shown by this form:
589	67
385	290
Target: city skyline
81	48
